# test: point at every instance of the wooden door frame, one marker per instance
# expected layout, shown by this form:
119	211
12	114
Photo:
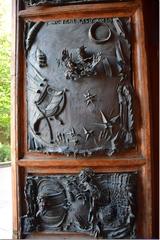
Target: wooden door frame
22	162
151	21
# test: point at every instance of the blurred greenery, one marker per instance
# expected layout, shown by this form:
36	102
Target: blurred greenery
4	89
5	76
4	153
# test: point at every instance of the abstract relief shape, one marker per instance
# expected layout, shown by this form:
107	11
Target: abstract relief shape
89	98
50	104
81	65
79	93
126	114
31	33
99	33
29	220
119	27
41	58
102	205
88	133
61	2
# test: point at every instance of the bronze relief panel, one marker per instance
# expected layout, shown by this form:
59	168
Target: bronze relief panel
79	86
102	205
65	2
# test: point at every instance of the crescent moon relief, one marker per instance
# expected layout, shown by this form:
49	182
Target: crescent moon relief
99	33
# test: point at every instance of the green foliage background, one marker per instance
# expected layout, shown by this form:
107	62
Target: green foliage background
4	88
5	76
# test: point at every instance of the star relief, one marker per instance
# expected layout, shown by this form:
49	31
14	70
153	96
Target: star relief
88	133
89	98
107	123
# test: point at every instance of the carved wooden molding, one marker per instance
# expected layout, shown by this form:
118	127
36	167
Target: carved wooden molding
102	205
79	86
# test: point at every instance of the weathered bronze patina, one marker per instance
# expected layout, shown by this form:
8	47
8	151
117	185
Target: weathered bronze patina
65	2
102	205
79	86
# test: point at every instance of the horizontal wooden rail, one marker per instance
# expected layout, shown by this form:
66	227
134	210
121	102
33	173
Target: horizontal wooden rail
80	11
80	163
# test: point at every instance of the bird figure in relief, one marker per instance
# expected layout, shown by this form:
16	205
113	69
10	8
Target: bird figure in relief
56	104
50	104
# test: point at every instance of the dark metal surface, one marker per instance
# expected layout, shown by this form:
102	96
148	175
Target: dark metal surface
79	89
64	2
102	205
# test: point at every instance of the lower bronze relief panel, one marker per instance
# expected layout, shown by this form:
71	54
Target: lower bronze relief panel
102	205
79	86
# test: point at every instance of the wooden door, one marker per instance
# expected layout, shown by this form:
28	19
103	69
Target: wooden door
81	146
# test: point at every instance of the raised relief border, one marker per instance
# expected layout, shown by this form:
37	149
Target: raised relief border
102	205
65	2
79	86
